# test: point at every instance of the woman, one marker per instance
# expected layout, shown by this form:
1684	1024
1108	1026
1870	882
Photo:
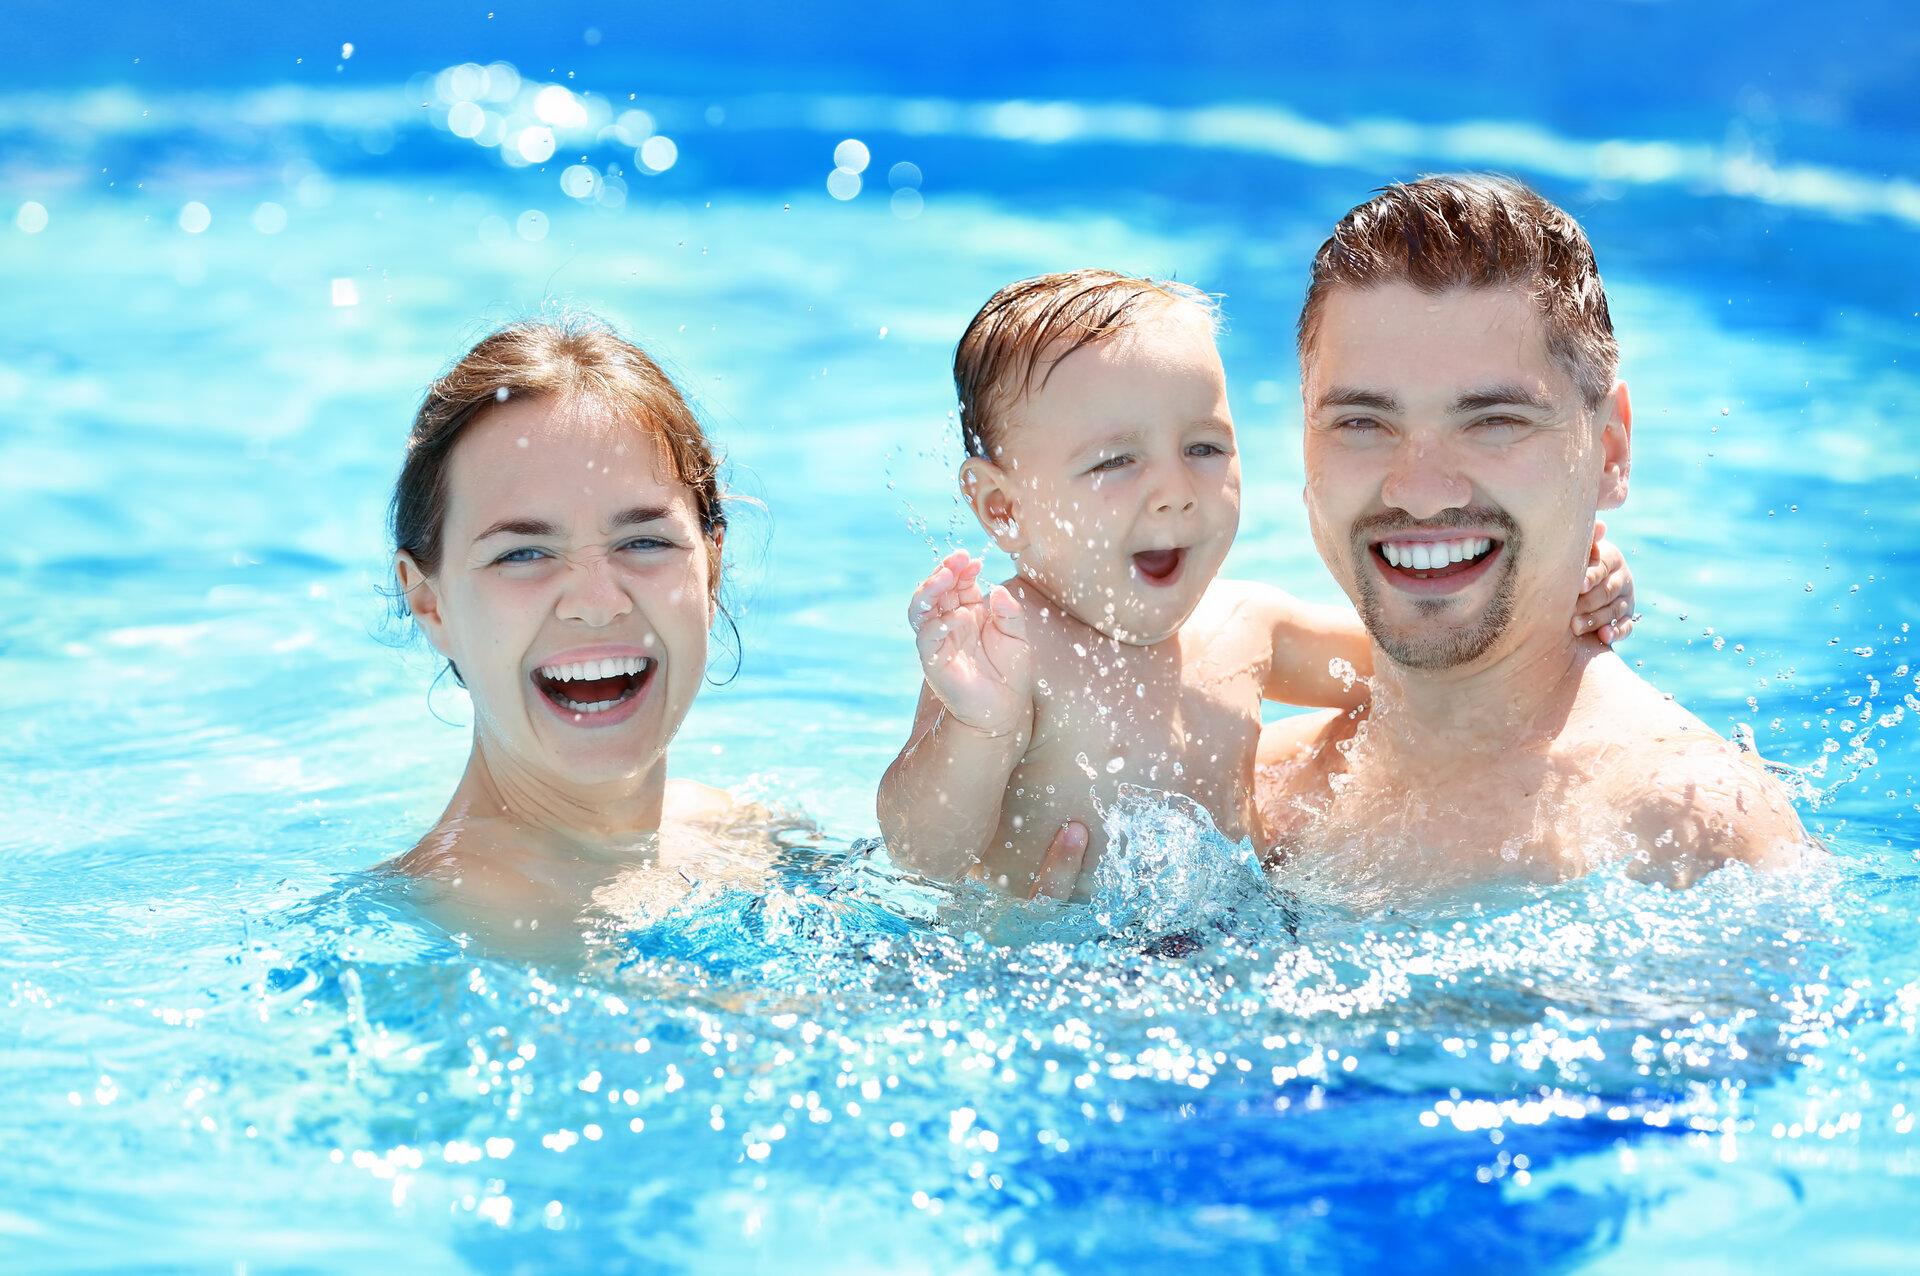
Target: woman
557	532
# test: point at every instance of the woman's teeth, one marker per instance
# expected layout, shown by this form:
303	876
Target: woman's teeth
585	670
1422	556
594	686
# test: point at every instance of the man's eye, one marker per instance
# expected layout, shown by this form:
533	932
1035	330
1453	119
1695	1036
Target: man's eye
1499	424
1111	464
1360	424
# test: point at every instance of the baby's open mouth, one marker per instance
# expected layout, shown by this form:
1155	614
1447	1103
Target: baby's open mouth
594	686
1159	566
1434	560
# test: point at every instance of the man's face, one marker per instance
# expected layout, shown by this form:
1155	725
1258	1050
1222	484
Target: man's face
1453	469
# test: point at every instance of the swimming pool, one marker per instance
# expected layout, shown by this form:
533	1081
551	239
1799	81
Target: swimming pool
226	1046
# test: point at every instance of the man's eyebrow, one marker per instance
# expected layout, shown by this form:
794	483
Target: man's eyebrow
1344	396
1497	396
518	527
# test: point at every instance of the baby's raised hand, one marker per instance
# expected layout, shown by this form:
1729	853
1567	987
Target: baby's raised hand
973	646
1605	606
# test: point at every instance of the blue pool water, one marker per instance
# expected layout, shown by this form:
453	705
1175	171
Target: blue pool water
226	275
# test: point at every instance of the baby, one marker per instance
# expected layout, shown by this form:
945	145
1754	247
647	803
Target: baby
1102	458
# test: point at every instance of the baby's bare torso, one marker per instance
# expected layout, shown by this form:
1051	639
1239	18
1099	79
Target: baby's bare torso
1181	716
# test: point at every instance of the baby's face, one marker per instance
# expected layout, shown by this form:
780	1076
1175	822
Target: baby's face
1122	477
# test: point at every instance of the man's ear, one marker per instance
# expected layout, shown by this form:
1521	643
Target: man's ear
423	600
1616	447
990	491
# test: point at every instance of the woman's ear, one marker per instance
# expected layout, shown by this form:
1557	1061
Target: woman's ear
717	541
423	600
989	491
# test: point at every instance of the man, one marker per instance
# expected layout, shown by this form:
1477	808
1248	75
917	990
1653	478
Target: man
1463	427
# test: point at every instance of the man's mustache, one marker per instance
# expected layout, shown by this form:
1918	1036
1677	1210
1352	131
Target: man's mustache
1386	522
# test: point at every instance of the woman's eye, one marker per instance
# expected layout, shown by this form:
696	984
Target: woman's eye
523	554
647	543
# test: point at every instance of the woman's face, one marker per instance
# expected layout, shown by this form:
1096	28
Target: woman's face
574	591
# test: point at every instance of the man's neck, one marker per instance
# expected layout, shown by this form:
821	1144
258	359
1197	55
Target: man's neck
606	819
1509	700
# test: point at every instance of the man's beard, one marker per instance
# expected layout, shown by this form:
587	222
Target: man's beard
1436	645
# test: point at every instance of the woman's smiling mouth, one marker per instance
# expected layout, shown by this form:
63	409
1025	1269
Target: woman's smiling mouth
595	692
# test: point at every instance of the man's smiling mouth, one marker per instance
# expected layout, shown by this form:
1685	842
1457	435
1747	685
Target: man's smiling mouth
594	686
1426	565
1434	558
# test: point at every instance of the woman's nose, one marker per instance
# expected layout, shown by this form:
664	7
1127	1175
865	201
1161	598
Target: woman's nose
1424	482
593	593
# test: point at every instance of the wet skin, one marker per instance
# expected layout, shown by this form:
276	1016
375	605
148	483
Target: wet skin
1498	743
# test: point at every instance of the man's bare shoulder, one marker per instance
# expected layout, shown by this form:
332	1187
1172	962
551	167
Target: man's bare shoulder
1690	799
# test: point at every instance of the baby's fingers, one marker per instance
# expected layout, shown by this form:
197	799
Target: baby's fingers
1008	616
1615	633
934	596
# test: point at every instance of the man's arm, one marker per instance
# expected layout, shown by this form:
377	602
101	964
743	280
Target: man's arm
1689	811
940	801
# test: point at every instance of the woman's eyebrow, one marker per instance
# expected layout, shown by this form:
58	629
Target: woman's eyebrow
639	514
518	527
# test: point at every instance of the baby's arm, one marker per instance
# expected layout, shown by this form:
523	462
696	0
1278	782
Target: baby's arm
939	803
1605	605
1310	643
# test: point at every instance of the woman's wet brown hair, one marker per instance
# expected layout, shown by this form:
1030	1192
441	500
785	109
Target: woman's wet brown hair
575	360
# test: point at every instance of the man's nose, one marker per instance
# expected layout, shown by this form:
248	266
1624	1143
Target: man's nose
1423	481
593	593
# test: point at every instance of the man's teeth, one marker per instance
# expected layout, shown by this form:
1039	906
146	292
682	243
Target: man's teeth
1421	556
589	669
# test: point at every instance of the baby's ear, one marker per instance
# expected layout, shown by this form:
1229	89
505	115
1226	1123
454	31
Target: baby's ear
990	492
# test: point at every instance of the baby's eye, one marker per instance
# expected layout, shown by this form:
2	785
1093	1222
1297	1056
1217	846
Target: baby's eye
1111	464
1206	449
522	554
